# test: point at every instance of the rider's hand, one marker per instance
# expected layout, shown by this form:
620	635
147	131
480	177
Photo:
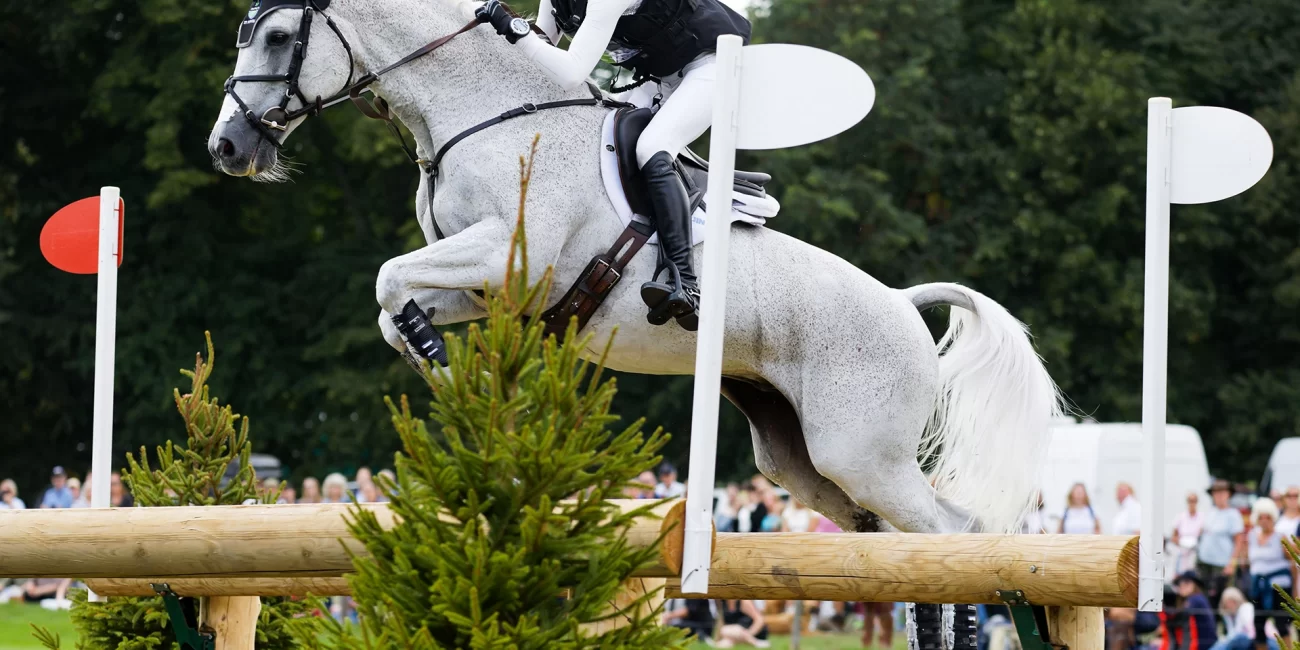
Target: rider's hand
509	26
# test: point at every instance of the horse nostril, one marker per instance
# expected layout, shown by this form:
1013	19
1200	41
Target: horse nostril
225	148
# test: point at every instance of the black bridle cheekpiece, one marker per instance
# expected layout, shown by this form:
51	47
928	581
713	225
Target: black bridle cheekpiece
277	118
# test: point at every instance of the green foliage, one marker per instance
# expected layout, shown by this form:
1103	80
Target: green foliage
189	475
505	507
1289	603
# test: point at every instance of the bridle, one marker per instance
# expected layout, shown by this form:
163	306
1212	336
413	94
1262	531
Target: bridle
277	118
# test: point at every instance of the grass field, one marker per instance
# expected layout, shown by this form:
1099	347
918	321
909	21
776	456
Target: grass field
16	629
16	632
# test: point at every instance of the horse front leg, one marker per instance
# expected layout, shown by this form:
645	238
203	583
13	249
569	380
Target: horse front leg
429	285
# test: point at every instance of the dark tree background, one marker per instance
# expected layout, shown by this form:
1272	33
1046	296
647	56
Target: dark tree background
1005	151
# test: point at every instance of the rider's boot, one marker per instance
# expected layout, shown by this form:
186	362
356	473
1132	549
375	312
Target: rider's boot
680	297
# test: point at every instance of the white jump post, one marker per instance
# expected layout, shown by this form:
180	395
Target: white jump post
101	453
1197	154
784	91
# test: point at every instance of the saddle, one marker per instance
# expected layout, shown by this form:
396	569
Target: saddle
604	271
629	124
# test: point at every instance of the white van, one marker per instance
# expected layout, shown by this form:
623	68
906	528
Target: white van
1283	469
1100	456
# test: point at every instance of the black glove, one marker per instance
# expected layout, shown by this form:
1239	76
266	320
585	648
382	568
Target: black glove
511	27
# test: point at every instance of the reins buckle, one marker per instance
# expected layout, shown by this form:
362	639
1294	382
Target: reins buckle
530	108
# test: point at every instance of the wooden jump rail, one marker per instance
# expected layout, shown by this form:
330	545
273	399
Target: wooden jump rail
264	550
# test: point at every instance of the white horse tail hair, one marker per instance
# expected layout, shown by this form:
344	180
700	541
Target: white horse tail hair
984	444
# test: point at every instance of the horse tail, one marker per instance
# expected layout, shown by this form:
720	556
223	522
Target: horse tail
985	441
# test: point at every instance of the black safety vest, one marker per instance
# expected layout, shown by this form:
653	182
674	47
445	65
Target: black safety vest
667	34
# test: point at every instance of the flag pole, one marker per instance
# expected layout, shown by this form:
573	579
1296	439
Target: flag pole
697	548
1155	349
101	464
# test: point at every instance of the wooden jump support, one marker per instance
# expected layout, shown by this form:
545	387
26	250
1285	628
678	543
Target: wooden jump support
241	551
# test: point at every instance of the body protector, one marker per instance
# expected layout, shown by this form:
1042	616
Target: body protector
662	36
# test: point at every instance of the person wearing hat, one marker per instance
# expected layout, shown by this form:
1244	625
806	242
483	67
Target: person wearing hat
1201	632
58	495
668	486
1270	569
1218	543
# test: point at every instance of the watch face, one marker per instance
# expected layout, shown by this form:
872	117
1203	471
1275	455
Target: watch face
519	26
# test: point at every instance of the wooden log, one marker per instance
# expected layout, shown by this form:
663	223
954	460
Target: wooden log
259	541
232	619
209	586
632	590
1080	628
1083	570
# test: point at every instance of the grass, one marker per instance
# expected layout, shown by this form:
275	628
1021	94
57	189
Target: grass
16	632
16	628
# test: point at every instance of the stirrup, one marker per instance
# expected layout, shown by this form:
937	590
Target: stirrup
667	301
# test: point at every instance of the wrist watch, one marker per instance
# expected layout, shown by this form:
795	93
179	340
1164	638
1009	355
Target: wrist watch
520	27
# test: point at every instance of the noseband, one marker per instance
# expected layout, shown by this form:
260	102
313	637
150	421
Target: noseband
277	118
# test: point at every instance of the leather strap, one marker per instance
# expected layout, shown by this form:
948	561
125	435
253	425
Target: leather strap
596	282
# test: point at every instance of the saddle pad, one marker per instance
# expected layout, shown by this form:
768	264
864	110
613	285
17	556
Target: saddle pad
747	209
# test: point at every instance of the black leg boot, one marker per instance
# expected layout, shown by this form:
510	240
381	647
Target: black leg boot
680	298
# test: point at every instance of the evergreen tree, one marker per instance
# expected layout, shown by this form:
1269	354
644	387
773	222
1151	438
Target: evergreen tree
505	536
191	475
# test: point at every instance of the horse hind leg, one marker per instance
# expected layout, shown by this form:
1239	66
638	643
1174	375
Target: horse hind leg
878	468
782	455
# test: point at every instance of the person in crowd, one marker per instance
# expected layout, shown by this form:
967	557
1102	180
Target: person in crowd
1128	521
643	487
118	496
724	514
368	492
1289	522
1269	567
9	496
758	499
74	486
335	489
1238	620
1079	518
288	495
742	624
364	477
58	495
310	491
773	522
269	486
1201	627
668	486
1217	547
386	477
1187	532
797	518
1036	521
695	615
878	616
38	589
83	500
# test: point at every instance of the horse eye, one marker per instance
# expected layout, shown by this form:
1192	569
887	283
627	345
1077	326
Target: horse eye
276	39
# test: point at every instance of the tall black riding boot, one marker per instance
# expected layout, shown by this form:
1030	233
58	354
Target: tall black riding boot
680	298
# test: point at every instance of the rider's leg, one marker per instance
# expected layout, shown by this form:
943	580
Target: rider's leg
684	116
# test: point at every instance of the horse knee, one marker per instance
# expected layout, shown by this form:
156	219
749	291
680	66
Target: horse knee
389	330
390	287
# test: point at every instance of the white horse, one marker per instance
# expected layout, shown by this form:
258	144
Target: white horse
842	383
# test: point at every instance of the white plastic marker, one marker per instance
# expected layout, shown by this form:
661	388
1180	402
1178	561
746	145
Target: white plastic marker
1198	154
765	97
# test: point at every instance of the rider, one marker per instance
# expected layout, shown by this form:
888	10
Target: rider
670	42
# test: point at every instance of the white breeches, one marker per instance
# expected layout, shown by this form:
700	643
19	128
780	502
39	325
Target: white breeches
685	112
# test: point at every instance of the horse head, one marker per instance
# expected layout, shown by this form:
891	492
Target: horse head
278	81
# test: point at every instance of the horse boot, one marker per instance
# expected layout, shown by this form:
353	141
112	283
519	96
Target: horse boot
421	336
680	298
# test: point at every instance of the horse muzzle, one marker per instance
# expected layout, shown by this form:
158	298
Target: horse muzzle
241	151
